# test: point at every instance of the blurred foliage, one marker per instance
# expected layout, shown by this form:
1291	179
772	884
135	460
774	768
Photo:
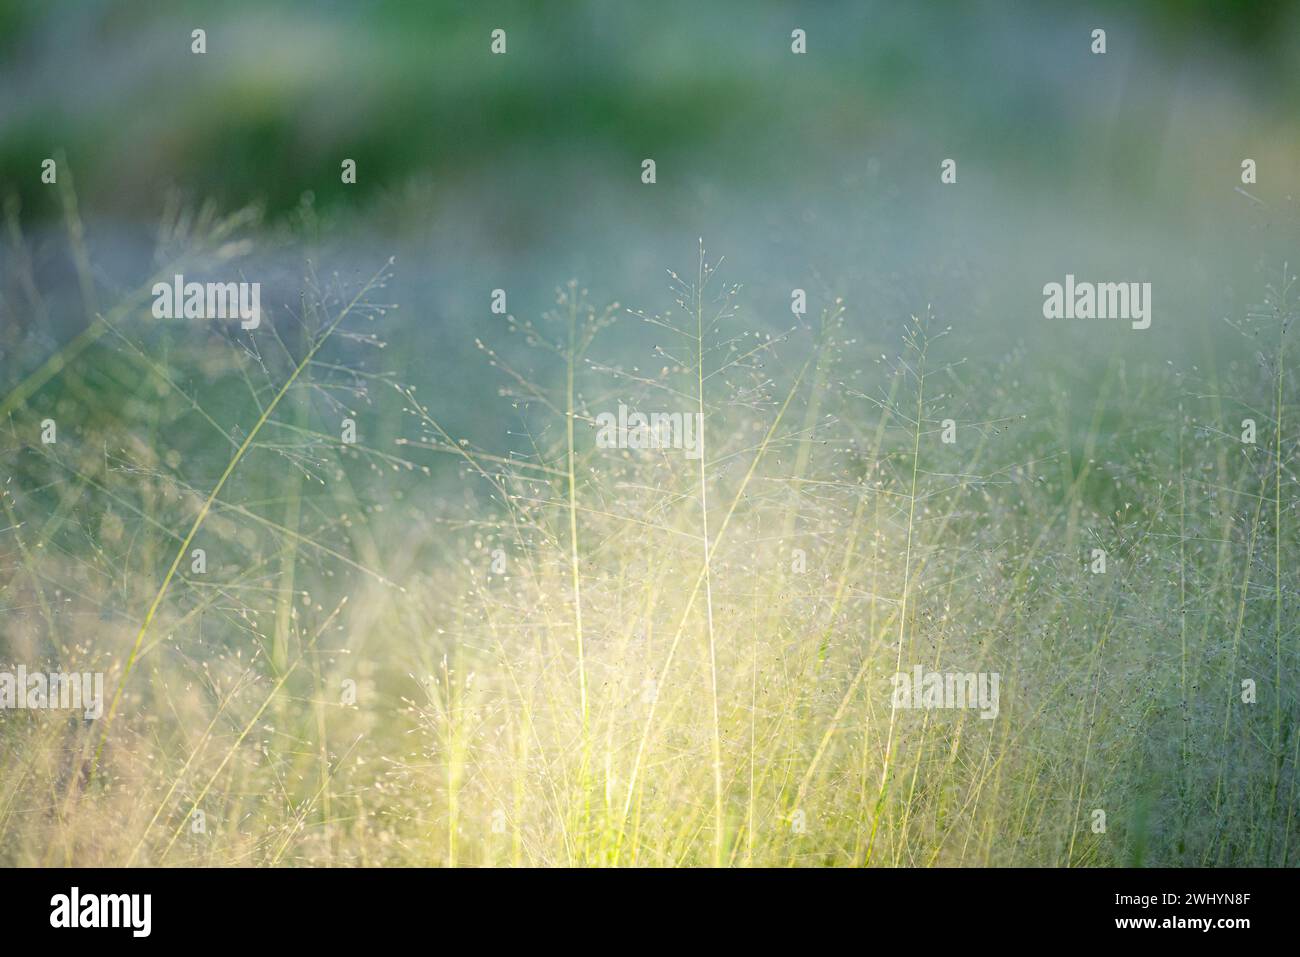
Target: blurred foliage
287	90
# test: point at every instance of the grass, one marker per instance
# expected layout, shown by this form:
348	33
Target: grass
519	648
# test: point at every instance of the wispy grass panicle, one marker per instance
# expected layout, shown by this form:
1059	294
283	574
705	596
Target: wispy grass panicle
697	588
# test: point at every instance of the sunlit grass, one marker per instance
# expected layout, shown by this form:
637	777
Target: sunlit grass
520	648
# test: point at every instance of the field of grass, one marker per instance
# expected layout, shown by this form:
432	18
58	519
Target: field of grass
426	647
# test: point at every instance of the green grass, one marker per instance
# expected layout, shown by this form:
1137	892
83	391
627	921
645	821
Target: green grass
683	662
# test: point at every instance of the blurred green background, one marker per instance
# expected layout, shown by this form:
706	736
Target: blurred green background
818	171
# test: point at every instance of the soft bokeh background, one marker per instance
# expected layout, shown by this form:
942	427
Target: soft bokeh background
817	171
